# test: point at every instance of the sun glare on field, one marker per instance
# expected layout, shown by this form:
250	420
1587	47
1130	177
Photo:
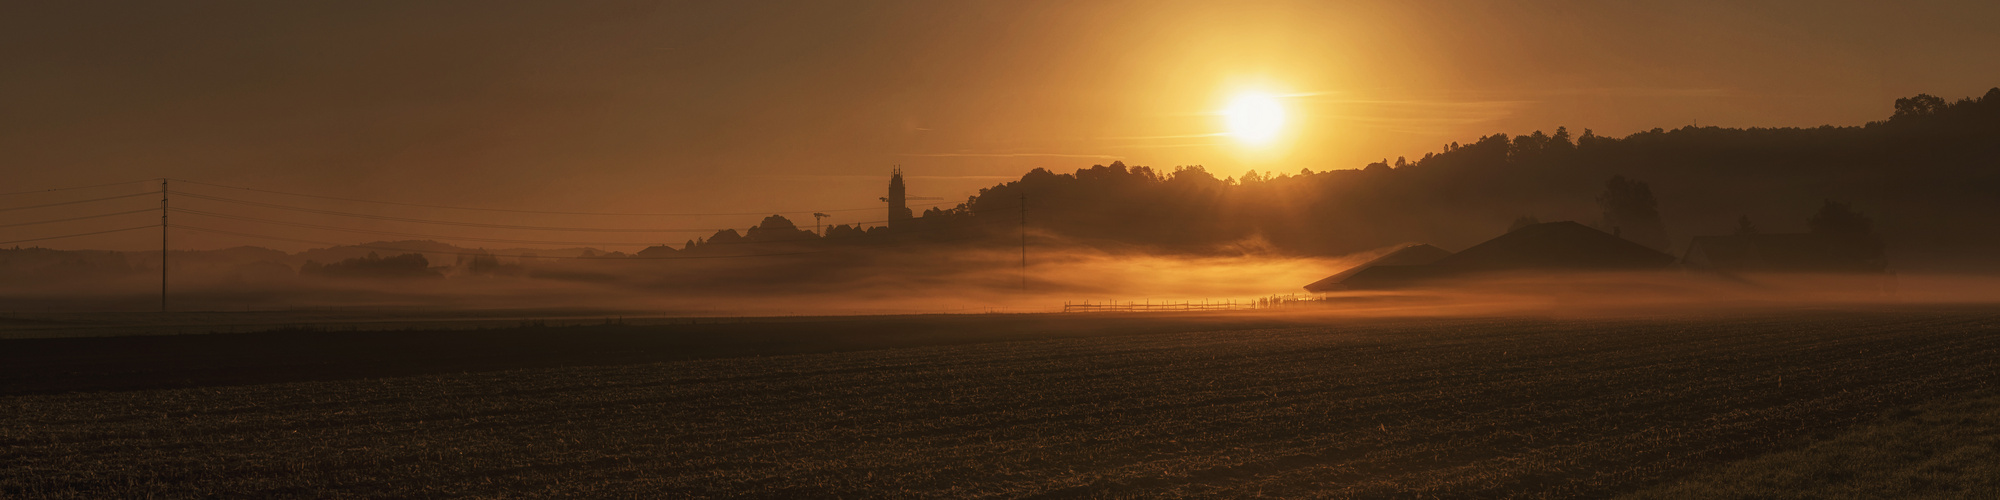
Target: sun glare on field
1254	117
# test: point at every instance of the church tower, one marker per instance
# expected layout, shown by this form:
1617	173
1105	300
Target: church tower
899	209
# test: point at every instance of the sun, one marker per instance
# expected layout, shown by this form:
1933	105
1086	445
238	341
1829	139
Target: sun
1254	117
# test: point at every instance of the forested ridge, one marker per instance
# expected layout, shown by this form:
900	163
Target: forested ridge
1929	175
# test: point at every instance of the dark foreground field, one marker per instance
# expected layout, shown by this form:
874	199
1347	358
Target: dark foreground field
1337	407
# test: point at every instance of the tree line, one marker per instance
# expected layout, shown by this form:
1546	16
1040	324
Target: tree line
1925	177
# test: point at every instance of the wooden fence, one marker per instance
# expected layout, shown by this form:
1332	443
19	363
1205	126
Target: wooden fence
1272	302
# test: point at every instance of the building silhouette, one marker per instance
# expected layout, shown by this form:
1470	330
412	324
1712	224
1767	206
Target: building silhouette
899	208
1413	255
1545	247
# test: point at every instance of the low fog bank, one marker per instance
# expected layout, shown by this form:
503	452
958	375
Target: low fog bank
927	279
912	280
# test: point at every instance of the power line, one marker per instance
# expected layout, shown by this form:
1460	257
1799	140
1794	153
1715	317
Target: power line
395	233
148	226
10	209
51	190
75	218
508	210
441	222
498	240
481	254
384	218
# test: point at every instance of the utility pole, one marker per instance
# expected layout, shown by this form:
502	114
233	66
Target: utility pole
1024	241
163	244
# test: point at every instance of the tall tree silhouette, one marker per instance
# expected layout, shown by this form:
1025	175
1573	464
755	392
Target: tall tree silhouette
1852	232
1920	105
1744	227
1631	211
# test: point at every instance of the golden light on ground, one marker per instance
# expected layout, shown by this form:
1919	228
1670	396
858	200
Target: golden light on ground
1255	118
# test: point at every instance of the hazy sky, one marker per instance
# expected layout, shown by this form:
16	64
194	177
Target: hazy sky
749	106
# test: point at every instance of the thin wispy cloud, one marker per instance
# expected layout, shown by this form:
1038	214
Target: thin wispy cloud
874	177
1419	120
1430	104
1164	146
1422	115
1646	92
1008	155
1470	97
1153	137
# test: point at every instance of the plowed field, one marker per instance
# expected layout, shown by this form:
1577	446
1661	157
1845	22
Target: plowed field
1503	407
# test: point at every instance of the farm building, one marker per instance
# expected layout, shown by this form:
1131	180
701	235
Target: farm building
1552	246
1413	255
1557	245
1795	252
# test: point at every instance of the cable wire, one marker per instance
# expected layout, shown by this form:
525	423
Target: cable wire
76	188
10	209
395	233
550	212
477	254
79	234
19	224
500	240
441	222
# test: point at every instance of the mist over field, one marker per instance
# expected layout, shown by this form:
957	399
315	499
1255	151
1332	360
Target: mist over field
947	280
839	282
1899	198
1698	249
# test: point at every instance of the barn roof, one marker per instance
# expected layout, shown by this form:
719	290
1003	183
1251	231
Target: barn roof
1556	245
1413	255
1548	246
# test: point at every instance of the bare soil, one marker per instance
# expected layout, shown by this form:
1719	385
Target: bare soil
1155	406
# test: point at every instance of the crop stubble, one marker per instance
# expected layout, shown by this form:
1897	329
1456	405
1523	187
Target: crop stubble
1490	407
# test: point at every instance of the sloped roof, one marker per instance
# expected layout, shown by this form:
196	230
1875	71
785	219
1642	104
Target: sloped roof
1384	277
1556	245
1413	255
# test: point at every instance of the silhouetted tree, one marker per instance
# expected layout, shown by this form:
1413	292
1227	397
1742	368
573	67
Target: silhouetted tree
844	232
777	228
1630	211
1744	227
1919	105
1851	232
486	264
724	237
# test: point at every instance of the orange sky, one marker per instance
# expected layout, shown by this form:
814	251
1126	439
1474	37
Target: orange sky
767	106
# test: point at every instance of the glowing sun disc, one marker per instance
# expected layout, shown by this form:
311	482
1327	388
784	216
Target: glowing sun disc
1254	118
